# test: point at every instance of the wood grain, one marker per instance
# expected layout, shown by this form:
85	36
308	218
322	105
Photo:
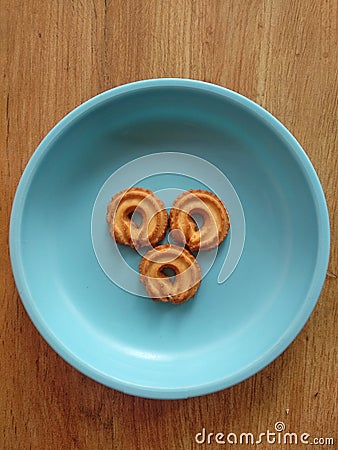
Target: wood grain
53	56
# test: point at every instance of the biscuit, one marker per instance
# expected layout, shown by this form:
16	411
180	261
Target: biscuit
215	225
124	230
159	286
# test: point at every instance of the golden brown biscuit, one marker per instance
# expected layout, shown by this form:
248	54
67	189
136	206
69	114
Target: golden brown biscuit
215	225
122	227
159	286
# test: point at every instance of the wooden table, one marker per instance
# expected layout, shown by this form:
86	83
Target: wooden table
56	54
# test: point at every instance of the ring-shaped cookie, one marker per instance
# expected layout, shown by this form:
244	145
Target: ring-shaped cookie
161	287
124	230
215	225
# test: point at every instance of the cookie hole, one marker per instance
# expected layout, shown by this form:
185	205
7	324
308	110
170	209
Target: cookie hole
169	272
198	219
136	217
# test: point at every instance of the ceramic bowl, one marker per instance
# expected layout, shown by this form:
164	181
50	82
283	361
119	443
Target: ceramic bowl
169	135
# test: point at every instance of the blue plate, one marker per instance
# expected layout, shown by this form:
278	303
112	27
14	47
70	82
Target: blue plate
257	292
